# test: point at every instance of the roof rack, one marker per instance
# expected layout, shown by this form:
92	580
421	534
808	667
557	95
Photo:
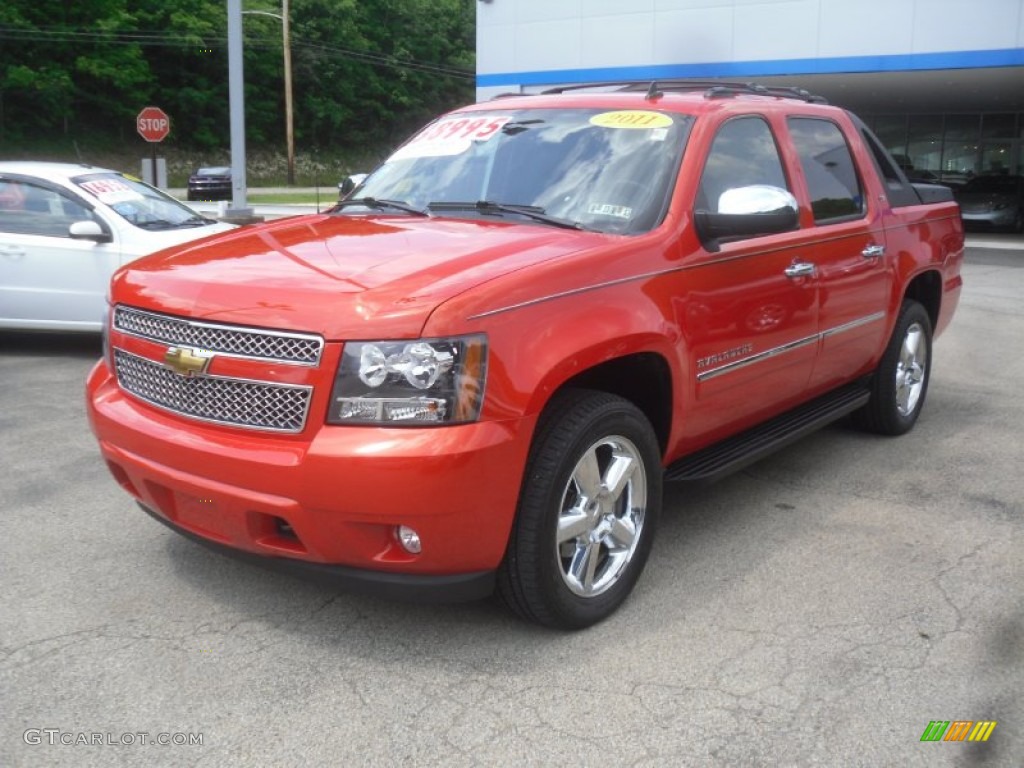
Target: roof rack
779	91
616	84
713	89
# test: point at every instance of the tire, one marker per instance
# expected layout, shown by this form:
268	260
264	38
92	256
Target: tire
900	383
574	556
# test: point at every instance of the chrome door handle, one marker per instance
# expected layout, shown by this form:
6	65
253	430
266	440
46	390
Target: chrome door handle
801	269
873	251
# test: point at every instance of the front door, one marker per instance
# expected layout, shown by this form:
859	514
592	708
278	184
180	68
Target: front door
49	280
750	308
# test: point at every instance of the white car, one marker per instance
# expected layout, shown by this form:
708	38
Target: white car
65	228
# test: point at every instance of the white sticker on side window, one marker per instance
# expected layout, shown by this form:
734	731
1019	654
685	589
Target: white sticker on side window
110	191
451	136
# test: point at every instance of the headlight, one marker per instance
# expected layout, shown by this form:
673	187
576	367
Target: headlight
426	381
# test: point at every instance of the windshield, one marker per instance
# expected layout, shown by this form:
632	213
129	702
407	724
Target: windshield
139	203
608	171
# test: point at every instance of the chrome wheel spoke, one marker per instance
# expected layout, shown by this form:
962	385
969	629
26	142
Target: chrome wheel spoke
621	535
583	566
618	474
574	523
901	395
587	475
910	345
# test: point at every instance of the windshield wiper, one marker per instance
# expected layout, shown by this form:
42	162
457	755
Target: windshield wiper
534	212
373	202
196	221
155	224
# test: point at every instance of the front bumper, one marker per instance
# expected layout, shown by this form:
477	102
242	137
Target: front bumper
326	507
395	586
1004	218
214	191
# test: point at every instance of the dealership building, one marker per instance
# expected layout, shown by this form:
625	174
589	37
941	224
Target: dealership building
940	81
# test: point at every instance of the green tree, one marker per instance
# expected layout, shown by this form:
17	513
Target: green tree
365	72
373	70
81	76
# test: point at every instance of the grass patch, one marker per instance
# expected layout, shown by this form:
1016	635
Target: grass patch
327	195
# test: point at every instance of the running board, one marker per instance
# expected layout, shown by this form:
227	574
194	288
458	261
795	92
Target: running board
734	453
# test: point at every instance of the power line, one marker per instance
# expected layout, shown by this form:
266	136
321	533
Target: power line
44	35
388	60
47	35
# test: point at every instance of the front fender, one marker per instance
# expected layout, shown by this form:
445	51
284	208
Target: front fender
534	350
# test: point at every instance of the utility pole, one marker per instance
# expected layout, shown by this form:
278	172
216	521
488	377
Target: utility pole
289	125
236	98
286	44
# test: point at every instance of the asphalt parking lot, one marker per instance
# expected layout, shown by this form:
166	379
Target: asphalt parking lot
821	608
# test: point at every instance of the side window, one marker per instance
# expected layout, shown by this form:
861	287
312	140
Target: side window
29	209
743	153
832	180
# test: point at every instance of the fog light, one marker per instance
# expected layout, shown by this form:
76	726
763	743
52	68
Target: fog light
409	539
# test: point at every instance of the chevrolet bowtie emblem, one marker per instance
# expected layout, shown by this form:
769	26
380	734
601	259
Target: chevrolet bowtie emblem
186	361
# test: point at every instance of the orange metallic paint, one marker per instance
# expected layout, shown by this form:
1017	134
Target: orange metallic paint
553	304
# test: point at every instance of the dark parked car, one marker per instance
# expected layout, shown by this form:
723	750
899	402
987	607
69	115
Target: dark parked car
994	201
210	184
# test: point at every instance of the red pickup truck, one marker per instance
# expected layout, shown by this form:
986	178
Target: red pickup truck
476	372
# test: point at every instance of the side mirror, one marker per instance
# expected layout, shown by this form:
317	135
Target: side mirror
759	209
346	187
89	230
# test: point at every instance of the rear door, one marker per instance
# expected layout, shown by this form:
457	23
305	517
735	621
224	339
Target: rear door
850	256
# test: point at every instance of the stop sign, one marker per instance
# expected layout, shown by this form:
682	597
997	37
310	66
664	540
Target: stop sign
153	124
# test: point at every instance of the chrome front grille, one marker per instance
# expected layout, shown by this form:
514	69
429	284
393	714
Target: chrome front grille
237	341
236	402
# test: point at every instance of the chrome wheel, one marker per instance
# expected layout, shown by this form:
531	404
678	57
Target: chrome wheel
587	514
911	369
900	383
602	516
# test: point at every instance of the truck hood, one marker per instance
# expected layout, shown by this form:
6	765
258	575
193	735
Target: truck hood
346	277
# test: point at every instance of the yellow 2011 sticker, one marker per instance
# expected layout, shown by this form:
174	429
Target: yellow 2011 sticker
631	118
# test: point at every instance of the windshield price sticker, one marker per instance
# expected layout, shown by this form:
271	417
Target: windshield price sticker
631	118
110	191
606	209
451	137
